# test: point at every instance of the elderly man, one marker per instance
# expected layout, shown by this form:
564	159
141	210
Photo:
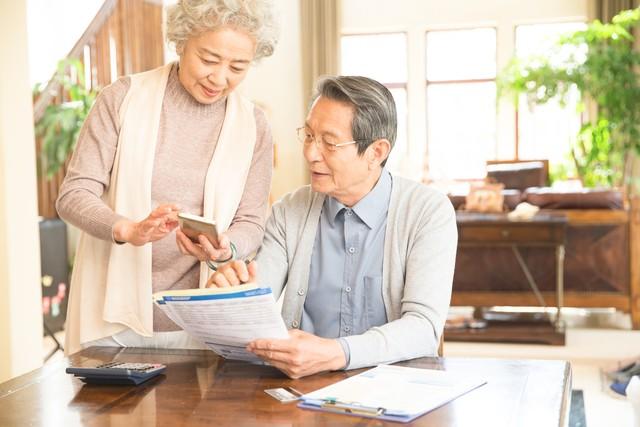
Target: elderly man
365	258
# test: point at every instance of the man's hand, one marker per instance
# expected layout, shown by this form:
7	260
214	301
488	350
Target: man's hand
301	355
233	273
205	249
160	222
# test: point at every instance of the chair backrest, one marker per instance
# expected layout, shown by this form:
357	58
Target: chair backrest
519	174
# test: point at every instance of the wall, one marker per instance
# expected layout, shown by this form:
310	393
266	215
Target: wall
276	83
20	298
417	16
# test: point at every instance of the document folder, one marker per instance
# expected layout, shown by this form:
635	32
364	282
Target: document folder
392	393
225	319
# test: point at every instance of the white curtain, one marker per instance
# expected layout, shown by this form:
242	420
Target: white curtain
321	26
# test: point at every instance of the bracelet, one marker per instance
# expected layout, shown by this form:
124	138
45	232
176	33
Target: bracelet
214	265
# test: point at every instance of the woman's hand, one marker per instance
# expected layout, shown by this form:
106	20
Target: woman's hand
233	273
204	250
160	222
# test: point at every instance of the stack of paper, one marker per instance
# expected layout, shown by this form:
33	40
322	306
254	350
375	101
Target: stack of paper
225	319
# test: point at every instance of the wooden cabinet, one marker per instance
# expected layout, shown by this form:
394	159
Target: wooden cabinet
597	268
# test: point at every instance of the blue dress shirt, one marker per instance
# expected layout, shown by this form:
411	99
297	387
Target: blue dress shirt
344	296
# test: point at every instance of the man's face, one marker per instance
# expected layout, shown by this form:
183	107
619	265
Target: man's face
341	172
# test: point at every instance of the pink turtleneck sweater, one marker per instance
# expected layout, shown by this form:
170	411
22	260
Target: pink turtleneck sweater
187	139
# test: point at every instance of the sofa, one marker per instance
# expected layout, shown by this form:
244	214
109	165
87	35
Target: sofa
600	248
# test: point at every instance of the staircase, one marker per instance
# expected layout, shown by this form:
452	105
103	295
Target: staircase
125	37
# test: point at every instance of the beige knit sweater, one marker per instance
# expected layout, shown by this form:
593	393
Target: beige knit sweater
186	141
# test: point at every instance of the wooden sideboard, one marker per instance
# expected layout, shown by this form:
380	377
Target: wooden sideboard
601	266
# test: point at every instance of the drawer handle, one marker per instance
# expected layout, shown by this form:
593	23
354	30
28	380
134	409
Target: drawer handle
505	233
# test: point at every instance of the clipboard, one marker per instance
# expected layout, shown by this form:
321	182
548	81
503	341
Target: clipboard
391	393
355	409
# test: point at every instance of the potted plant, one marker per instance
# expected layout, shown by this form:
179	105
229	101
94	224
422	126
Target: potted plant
600	61
60	124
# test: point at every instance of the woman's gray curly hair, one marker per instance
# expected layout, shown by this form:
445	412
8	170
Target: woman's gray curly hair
189	18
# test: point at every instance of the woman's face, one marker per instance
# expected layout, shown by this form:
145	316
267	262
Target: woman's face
213	63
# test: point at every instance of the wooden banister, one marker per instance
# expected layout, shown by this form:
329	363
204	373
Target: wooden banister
124	37
53	86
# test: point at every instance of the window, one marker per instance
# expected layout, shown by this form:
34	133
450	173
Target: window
444	84
461	102
546	131
382	57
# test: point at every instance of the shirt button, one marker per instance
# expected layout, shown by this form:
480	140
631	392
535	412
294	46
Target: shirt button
348	289
347	329
300	292
349	212
295	323
352	250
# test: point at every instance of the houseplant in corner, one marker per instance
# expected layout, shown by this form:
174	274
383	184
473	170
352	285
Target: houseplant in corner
60	124
602	64
58	131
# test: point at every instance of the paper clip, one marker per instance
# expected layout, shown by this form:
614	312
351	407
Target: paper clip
351	408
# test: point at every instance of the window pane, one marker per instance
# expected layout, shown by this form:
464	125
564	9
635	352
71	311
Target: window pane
461	54
382	57
547	131
394	163
461	123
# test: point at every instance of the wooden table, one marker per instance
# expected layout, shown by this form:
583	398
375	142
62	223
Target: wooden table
201	389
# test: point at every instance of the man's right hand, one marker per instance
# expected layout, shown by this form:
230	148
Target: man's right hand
233	273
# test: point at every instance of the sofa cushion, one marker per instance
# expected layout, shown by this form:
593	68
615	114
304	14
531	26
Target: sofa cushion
518	176
548	198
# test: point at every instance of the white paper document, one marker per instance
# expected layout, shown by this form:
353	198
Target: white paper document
225	319
393	393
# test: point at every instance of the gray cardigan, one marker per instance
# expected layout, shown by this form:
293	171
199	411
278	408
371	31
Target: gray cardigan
419	258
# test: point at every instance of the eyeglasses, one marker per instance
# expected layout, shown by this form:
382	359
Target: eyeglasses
306	138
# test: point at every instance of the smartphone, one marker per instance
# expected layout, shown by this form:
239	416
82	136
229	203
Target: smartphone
193	225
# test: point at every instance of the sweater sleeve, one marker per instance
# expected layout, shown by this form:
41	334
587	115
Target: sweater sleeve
80	199
247	227
272	257
426	295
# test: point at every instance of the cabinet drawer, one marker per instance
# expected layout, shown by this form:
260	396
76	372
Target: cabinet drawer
509	234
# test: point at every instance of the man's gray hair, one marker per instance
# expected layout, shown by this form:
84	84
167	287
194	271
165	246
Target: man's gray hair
374	115
190	18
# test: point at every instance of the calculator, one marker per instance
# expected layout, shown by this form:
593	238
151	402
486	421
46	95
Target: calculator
117	373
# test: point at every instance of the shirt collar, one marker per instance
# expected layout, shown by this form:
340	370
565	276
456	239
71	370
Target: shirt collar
372	208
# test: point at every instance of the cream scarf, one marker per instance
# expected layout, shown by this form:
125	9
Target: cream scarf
111	284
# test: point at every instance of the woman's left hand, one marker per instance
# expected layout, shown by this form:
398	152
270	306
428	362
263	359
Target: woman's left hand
204	250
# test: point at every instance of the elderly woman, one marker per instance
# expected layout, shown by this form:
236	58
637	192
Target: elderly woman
177	138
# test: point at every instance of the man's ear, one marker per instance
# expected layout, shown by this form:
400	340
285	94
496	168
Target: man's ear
378	152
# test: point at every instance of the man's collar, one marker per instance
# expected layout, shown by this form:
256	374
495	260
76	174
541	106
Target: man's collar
374	206
371	208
